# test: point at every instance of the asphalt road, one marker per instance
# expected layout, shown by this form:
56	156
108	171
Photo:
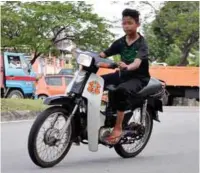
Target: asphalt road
173	148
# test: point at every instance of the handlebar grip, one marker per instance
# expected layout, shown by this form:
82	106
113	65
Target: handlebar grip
106	65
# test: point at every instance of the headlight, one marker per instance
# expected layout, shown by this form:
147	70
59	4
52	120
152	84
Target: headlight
84	60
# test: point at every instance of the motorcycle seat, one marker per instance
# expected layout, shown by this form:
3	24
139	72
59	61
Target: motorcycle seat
152	87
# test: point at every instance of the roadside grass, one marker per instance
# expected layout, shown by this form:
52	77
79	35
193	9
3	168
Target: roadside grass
21	105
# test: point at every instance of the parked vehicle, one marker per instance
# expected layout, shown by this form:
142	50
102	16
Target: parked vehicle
77	116
51	85
155	63
66	71
17	76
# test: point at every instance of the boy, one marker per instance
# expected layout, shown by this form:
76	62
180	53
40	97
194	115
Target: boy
134	68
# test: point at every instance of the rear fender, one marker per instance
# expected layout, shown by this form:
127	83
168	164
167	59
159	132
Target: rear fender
155	105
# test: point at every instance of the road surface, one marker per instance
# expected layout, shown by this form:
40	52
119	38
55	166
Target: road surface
173	148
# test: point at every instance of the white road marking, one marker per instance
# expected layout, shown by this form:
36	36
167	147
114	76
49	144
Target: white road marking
19	121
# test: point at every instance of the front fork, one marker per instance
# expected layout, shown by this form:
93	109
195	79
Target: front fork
62	132
143	111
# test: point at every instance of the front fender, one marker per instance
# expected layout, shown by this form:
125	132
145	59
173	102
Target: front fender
58	100
93	91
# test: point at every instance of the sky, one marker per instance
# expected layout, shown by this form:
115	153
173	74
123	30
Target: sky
112	11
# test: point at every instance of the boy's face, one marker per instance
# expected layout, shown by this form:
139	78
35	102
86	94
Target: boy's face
129	25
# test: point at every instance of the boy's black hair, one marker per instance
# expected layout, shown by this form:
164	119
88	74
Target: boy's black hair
132	13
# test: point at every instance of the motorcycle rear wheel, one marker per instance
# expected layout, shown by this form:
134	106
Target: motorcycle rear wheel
121	149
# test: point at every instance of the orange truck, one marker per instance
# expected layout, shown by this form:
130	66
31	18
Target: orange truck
181	81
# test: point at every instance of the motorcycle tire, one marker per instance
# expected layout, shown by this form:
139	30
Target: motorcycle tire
32	139
123	153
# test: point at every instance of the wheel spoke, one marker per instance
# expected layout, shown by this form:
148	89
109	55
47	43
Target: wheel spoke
131	148
54	121
40	147
55	151
43	148
46	151
43	153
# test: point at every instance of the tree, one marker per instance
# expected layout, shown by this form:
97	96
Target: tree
173	56
116	58
178	23
151	9
146	8
158	50
42	26
194	58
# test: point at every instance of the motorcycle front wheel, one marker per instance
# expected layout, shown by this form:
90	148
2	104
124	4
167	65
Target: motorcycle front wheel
132	150
44	147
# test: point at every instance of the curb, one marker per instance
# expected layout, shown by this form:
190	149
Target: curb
18	115
27	115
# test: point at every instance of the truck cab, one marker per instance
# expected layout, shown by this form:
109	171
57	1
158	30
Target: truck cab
17	76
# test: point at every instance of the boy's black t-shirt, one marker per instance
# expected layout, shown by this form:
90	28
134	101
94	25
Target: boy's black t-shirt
138	49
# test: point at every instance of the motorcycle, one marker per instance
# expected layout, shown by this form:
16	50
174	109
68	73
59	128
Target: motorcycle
82	116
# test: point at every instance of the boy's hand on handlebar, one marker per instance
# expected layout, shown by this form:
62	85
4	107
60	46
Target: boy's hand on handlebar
122	65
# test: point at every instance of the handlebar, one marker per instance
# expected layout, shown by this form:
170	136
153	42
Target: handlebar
99	62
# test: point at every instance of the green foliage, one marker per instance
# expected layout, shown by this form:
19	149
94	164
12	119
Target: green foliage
173	55
178	23
40	26
194	60
117	58
158	50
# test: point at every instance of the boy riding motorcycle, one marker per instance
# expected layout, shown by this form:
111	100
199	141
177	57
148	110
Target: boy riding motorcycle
134	66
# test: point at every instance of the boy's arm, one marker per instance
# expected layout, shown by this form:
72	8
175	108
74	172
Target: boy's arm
141	55
112	50
135	65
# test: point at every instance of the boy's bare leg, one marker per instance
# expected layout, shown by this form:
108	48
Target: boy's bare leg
117	131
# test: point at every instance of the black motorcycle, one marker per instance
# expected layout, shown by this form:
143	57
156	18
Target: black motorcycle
81	116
